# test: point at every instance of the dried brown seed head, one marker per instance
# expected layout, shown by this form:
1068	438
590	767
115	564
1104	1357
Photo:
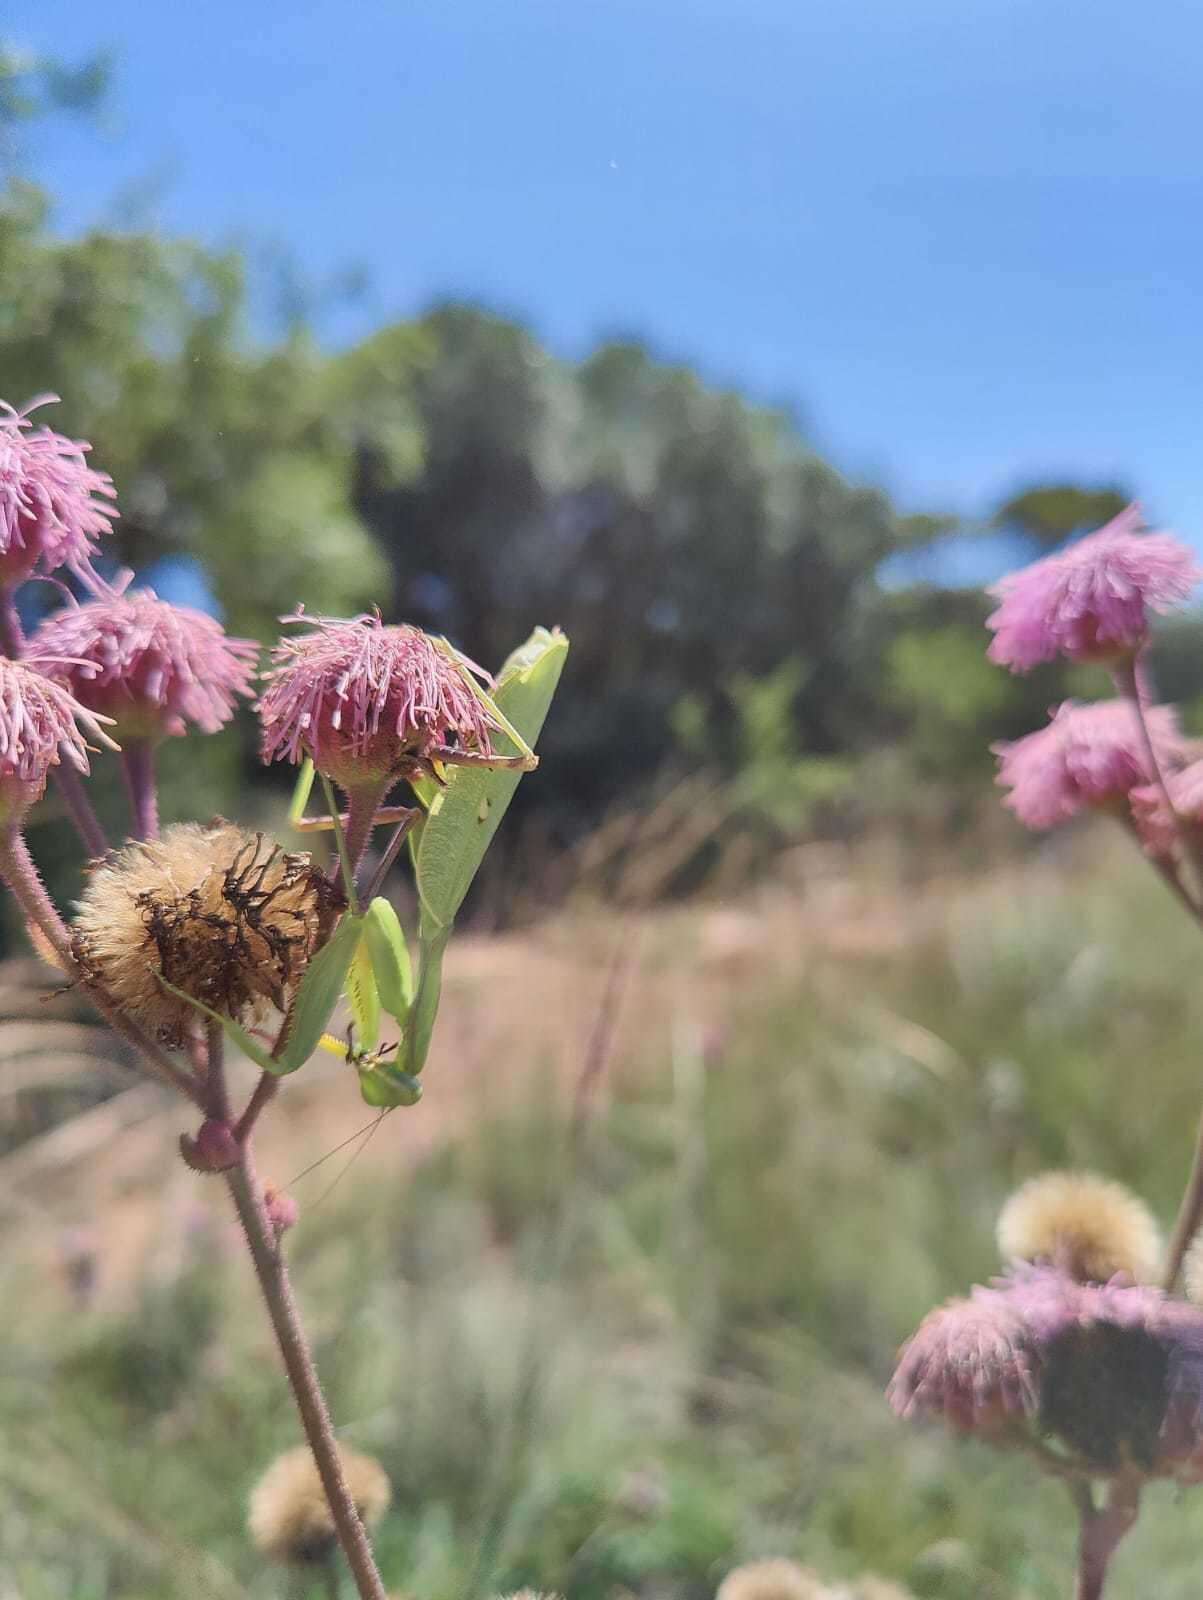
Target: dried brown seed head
224	915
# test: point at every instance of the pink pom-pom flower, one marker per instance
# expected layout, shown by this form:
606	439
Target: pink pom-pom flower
1158	828
53	506
1091	601
1113	1372
41	725
153	667
368	702
1088	756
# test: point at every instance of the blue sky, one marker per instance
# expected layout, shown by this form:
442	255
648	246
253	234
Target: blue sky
962	237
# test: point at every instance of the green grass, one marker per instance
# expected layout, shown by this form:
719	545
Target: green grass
618	1367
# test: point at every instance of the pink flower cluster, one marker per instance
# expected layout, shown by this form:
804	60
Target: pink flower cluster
1113	1371
1088	756
53	506
151	666
1091	602
129	660
40	726
364	699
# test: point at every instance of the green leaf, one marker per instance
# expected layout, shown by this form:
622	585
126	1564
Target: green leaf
432	941
235	1033
384	1084
460	826
319	993
363	996
389	955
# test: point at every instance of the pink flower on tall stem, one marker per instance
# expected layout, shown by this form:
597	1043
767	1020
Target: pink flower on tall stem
364	700
1088	756
1091	601
1113	1372
372	706
53	506
41	726
154	667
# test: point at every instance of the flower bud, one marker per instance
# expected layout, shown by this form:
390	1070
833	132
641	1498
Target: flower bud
214	1149
282	1210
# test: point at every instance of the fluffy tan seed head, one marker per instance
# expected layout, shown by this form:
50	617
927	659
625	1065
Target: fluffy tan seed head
1086	1225
1192	1271
289	1518
776	1579
223	914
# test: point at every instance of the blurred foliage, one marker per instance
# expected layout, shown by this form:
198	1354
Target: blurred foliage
34	86
1049	514
618	1364
719	580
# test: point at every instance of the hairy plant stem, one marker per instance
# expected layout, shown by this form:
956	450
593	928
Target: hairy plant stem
1190	1211
87	824
1100	1532
1127	681
1190	1215
21	876
217	1100
302	1376
362	806
138	770
12	635
262	1094
409	816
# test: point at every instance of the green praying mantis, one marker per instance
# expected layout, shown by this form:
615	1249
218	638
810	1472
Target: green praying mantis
462	798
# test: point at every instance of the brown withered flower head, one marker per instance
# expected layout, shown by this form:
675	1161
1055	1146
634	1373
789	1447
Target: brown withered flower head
220	913
290	1519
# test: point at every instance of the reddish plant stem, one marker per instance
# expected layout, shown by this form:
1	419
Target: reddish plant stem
138	769
21	876
1190	1211
1101	1533
87	824
1190	1215
362	806
217	1100
302	1377
262	1095
12	635
409	816
1166	869
1128	684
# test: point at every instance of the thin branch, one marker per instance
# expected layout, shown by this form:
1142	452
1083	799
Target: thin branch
12	635
1128	683
217	1100
298	1363
409	816
264	1093
70	785
138	770
1166	868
